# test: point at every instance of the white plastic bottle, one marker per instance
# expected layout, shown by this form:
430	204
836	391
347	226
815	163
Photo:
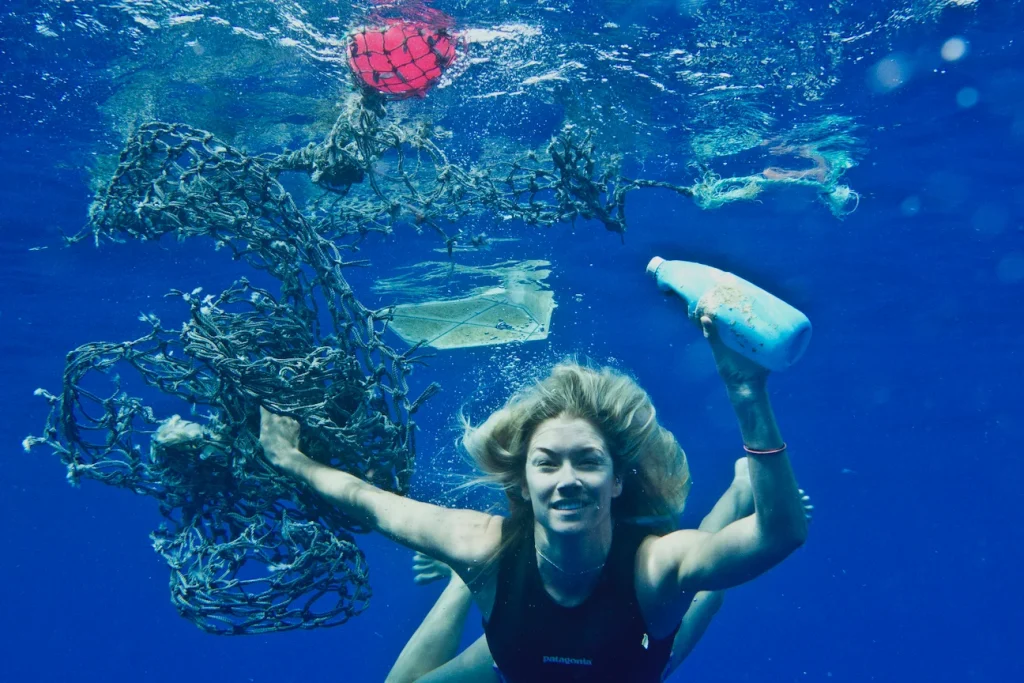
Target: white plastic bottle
749	320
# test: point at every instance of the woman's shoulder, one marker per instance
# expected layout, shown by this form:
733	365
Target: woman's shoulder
635	534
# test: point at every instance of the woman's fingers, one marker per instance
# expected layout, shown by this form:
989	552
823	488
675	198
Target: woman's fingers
805	500
707	325
421	579
265	417
278	430
426	569
423	565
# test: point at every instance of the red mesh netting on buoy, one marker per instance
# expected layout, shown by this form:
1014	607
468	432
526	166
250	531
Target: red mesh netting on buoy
404	58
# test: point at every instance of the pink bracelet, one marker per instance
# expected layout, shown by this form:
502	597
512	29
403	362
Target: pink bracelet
770	451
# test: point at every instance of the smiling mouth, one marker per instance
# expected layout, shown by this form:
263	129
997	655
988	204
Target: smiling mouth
569	505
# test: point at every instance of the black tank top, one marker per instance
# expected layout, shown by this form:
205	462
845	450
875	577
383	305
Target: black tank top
533	639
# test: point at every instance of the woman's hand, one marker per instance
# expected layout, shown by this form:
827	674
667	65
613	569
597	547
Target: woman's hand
279	436
426	569
742	376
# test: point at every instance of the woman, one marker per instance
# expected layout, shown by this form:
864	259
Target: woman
433	647
569	590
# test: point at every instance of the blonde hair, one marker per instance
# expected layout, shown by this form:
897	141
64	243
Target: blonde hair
653	469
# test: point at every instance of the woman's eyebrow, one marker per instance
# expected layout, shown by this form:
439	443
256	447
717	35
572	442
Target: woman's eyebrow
589	448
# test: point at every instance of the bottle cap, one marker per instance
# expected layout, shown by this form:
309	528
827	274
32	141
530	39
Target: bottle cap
652	267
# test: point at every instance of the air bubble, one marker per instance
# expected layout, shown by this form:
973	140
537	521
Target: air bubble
967	97
953	49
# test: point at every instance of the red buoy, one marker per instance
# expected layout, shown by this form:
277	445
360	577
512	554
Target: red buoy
403	59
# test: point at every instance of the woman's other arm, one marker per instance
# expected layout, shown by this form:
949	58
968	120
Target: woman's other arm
436	641
736	503
473	665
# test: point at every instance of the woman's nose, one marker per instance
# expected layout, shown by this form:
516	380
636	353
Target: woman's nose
567	478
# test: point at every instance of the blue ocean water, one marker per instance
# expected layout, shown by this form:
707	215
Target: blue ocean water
903	419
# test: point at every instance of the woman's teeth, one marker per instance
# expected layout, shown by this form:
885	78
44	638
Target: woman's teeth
568	505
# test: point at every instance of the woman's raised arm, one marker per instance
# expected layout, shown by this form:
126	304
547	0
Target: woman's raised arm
462	539
690	561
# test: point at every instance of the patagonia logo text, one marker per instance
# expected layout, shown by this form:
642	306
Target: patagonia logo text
574	661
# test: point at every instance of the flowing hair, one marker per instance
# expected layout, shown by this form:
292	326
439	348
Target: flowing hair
653	469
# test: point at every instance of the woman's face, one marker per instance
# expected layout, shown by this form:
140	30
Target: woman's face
570	477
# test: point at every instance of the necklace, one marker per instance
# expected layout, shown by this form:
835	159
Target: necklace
567	573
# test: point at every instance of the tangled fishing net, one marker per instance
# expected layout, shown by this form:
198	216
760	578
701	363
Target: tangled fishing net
249	550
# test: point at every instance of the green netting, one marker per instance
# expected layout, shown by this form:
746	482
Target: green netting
249	550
